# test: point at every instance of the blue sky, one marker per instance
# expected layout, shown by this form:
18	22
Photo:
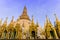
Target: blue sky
38	8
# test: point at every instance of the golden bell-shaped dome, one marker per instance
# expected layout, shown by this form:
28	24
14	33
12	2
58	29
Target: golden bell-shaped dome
24	14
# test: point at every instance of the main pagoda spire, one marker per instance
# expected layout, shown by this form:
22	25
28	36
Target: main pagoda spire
24	14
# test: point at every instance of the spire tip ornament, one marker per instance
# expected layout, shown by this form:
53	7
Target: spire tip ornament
24	14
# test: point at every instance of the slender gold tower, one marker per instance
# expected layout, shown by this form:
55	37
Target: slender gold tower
11	29
18	30
0	28
33	30
4	29
57	26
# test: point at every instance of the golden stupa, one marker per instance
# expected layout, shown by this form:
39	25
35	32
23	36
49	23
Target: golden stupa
25	28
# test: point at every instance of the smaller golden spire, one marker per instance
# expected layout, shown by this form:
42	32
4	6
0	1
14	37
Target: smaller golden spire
12	19
5	23
48	27
12	22
32	19
47	23
32	22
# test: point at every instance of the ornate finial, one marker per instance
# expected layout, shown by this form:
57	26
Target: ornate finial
6	20
55	14
46	18
25	11
25	7
32	18
18	18
12	18
56	17
37	24
48	22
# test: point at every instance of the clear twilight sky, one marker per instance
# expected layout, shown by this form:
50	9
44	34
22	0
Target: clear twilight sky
38	8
